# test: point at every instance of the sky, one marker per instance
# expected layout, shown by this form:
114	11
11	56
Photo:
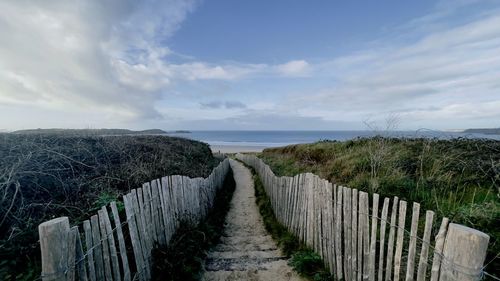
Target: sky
249	65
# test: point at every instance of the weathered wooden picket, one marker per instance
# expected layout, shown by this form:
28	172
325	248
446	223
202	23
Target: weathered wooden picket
361	241
153	213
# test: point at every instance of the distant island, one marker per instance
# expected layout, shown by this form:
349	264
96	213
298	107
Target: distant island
486	131
93	132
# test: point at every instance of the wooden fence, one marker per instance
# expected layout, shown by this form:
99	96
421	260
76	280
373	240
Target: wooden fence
153	214
363	241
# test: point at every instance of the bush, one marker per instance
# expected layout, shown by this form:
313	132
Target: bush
43	176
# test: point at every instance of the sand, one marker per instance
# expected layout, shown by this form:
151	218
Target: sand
246	250
236	148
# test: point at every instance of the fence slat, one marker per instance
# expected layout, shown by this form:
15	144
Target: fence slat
170	212
156	210
424	252
105	247
134	235
410	267
163	207
338	233
142	233
144	199
111	243
383	225
90	253
390	242
438	249
400	239
347	233
309	210
303	210
360	218
73	233
365	230
373	237
354	235
80	258
330	222
121	242
97	246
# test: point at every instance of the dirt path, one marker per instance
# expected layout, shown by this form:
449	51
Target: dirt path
246	251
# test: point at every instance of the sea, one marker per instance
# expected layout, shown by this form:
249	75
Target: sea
282	138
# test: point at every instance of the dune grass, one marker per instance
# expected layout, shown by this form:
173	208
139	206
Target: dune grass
458	178
43	176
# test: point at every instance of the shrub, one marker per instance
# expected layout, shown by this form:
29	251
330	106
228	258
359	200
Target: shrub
43	176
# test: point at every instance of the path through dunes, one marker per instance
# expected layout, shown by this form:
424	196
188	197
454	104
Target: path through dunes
246	251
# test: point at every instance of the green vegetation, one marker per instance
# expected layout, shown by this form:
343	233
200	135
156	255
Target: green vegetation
183	259
48	175
458	178
303	260
309	264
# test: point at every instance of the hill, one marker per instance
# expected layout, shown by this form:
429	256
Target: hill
43	176
458	178
89	132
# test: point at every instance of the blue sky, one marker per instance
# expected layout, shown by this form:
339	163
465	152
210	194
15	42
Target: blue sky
249	64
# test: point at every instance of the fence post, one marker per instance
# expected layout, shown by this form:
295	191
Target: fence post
54	235
463	254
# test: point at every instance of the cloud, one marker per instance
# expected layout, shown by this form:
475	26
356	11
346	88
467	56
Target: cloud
293	68
211	105
223	104
86	55
444	69
235	104
205	71
259	120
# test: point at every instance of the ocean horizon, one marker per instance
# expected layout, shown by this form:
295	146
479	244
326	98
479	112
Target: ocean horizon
279	138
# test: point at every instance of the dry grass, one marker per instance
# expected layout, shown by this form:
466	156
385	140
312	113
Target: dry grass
459	178
49	175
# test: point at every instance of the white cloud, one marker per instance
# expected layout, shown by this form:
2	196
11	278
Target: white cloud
454	70
204	71
293	68
84	55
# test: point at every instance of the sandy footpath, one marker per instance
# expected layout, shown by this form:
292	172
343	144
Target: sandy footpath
246	251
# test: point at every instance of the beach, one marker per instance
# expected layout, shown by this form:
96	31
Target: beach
236	148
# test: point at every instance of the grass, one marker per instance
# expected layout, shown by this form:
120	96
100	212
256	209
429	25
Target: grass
303	260
458	178
183	258
43	176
